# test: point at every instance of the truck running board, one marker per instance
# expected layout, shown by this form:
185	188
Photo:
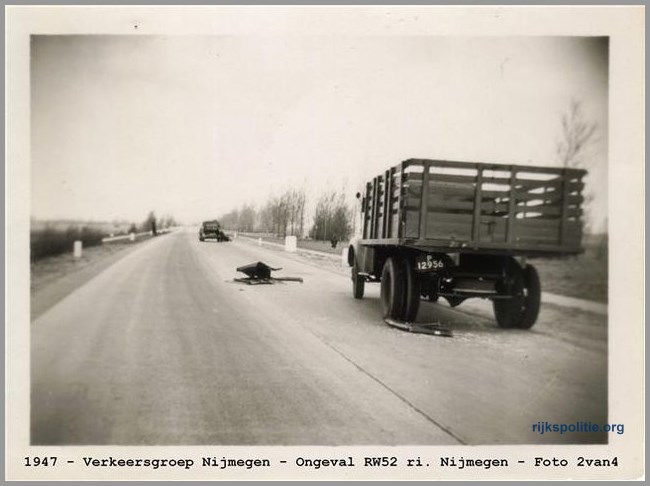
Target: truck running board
425	328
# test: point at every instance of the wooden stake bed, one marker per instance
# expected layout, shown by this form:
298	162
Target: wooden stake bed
448	206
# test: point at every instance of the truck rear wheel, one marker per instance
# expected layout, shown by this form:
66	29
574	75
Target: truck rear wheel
532	297
412	290
392	289
358	282
522	309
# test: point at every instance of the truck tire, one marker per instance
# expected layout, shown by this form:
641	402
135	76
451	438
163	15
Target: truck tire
412	290
532	297
358	282
392	289
522	309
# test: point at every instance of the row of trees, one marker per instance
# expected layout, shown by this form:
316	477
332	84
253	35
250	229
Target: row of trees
332	218
55	238
153	223
286	214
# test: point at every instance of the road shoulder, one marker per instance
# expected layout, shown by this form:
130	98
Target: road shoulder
53	288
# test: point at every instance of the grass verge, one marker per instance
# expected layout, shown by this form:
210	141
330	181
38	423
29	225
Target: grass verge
53	278
584	276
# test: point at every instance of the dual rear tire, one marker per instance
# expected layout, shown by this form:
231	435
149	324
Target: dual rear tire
400	289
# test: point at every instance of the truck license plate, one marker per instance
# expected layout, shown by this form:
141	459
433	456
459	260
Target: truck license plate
428	263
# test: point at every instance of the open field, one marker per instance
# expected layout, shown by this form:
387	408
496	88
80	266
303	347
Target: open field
50	269
53	278
316	245
584	276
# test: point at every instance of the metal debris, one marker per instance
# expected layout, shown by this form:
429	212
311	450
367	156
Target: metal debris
421	328
259	273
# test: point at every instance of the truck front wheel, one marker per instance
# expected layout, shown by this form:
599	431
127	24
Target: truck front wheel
392	289
358	282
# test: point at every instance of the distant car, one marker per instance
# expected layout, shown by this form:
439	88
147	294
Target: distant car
212	230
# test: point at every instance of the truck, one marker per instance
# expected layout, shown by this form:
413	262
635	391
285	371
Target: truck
460	230
212	229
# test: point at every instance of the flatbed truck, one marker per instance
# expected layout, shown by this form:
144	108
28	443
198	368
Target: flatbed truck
460	230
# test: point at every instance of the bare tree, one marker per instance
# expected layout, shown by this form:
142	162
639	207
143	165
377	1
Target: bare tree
577	134
332	217
265	221
281	215
230	220
246	221
301	200
296	210
149	224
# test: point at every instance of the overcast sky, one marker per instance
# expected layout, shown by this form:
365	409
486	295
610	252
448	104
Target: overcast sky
197	125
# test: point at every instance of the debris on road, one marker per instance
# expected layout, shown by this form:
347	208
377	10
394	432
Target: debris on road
260	273
433	328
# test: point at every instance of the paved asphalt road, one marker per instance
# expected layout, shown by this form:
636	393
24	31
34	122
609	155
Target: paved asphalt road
164	348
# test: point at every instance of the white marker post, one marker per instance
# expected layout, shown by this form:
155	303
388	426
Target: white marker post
131	236
344	257
291	244
76	249
259	242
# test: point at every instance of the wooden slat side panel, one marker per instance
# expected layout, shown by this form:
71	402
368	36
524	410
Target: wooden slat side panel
494	230
424	201
380	207
388	195
373	218
490	208
394	203
525	169
401	216
488	203
449	230
394	225
366	211
466	192
478	198
411	223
